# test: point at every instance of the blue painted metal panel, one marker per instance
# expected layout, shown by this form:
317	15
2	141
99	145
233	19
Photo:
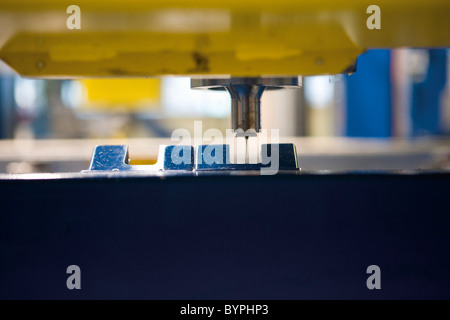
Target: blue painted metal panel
369	96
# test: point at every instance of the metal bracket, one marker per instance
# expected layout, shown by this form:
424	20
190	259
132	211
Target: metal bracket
116	158
284	154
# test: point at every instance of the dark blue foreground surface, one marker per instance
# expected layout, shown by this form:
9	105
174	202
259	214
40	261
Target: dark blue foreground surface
225	237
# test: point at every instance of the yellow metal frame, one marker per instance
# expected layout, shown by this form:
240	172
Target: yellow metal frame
139	38
121	94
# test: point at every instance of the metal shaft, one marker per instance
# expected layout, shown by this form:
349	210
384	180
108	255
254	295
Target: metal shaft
246	108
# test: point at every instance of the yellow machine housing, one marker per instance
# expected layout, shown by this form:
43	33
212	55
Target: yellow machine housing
139	38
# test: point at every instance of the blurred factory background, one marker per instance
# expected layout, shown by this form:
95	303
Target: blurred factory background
392	115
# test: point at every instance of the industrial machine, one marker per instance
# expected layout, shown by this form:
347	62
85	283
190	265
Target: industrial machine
232	220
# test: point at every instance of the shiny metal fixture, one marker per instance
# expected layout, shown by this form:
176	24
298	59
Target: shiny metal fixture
246	96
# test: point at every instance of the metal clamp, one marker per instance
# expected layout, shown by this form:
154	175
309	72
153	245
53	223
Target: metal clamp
276	156
116	158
